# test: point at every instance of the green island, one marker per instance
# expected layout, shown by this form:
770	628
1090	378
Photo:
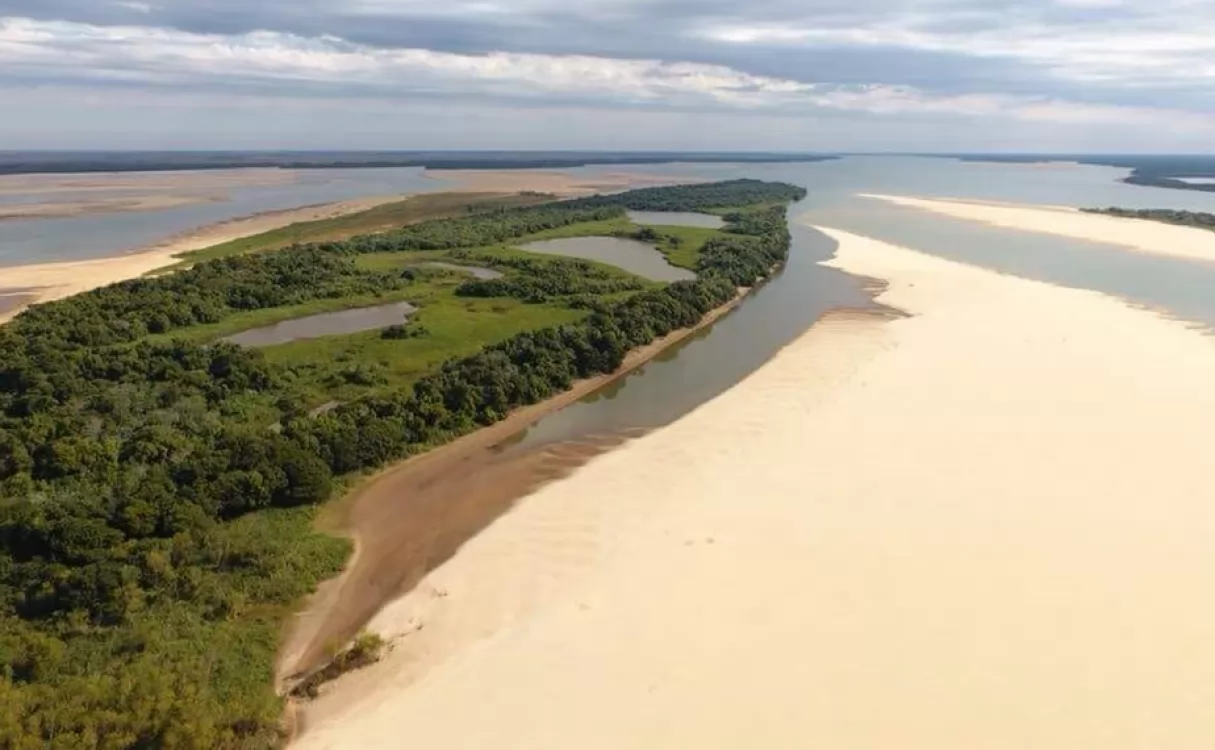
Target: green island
158	485
1198	219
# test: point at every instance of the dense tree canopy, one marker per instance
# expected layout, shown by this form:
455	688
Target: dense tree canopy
153	494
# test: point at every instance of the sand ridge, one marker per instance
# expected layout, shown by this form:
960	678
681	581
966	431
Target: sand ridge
982	525
1140	235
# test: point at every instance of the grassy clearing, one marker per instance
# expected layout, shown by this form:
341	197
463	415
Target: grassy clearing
345	367
684	251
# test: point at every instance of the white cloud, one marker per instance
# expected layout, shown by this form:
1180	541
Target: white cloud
1172	43
160	56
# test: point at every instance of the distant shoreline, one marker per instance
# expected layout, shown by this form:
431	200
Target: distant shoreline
90	162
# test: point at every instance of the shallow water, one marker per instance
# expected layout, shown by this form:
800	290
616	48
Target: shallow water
325	324
476	271
632	256
676	219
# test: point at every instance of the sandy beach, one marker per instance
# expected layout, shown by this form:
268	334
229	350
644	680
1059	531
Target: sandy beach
982	525
1140	235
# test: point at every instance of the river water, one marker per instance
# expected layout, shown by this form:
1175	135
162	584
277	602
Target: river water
708	364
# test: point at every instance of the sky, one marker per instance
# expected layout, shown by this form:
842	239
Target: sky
1094	76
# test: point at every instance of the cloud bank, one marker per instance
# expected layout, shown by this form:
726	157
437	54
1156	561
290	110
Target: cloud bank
1069	75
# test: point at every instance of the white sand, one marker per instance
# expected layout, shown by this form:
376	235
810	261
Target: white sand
1141	235
988	525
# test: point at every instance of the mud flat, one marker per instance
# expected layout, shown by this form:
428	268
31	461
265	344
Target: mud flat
980	525
1140	235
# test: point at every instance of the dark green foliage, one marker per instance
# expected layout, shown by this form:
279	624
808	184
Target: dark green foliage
1166	215
542	279
155	496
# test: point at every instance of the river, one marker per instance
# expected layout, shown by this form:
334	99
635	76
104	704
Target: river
705	366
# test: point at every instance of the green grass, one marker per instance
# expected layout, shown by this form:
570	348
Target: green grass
381	218
455	327
687	251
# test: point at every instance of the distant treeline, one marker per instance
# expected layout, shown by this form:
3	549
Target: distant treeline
17	162
1149	170
152	537
1166	215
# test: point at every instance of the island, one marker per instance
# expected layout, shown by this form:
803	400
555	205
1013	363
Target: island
159	485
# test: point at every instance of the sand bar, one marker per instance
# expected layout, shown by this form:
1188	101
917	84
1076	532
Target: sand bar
985	525
545	181
1141	235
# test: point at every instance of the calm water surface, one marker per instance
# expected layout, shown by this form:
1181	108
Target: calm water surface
325	324
476	271
676	219
632	256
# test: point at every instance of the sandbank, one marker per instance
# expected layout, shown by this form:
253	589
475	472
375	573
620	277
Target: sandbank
544	181
68	209
152	182
982	525
51	281
1141	235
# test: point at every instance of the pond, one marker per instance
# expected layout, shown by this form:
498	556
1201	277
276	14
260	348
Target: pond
677	219
325	324
634	257
476	271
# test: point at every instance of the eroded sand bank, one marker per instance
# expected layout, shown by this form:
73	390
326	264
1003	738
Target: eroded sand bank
986	525
1140	235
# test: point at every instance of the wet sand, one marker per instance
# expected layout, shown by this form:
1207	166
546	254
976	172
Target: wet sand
413	516
149	182
67	209
982	525
1140	235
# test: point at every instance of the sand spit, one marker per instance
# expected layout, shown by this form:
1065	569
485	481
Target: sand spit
986	525
51	281
68	209
557	183
1141	235
150	182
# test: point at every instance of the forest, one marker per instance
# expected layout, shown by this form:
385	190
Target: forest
157	492
1198	219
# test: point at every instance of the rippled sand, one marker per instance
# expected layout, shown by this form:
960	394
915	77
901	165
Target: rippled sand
985	525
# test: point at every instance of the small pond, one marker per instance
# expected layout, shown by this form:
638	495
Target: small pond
325	324
476	271
677	219
632	256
